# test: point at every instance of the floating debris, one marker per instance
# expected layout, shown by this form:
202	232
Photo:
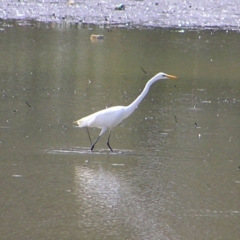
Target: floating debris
120	7
16	175
71	2
94	37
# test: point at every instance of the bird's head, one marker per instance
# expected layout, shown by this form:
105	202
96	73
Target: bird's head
162	75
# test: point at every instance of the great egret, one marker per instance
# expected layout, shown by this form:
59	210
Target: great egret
110	117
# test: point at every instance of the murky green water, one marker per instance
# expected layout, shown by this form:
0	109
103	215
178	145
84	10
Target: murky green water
173	174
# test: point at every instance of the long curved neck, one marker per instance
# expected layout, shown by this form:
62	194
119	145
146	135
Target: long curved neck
131	107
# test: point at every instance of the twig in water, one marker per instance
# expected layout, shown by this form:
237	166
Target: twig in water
28	104
143	70
175	118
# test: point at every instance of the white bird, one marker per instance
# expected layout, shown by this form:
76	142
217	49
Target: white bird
110	117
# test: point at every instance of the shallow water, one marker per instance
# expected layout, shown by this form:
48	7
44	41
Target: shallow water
173	173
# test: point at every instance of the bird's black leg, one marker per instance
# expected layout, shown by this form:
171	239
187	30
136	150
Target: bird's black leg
104	129
108	141
93	145
89	136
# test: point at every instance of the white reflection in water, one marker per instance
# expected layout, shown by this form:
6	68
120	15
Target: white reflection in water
107	203
100	186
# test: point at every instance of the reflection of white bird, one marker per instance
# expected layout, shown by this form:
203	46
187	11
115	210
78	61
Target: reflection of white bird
112	116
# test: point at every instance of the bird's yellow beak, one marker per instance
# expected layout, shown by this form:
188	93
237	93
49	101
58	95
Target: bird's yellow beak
171	76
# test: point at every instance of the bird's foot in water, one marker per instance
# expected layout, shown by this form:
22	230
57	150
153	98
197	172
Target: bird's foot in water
109	146
92	147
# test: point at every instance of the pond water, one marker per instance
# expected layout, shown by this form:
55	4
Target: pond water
174	170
